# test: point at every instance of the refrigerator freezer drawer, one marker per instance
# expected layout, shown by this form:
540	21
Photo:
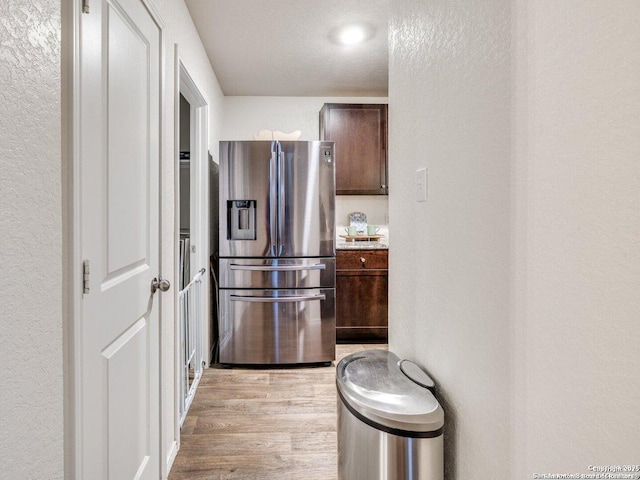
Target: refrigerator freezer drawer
271	327
277	273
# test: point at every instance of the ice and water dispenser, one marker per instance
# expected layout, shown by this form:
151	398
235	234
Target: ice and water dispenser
241	219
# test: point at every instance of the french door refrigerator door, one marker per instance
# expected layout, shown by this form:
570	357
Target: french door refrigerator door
277	199
277	326
248	199
306	208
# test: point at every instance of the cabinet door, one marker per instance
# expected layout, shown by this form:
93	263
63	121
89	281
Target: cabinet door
360	135
361	296
361	306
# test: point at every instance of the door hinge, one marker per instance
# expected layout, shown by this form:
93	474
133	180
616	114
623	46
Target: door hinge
85	6
85	276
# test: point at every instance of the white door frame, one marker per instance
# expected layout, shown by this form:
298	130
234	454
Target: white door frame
199	222
72	261
72	256
72	252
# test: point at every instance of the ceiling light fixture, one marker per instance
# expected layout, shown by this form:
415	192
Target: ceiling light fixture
352	34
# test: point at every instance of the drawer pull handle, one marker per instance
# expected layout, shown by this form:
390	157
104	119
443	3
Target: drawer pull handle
277	268
285	299
363	260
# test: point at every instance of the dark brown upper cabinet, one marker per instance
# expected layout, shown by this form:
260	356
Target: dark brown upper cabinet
360	135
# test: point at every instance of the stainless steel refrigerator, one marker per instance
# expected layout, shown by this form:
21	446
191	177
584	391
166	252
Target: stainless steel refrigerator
277	252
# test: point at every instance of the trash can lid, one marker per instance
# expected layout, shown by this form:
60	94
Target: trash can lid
374	388
415	373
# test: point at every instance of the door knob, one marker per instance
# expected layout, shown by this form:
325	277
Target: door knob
159	284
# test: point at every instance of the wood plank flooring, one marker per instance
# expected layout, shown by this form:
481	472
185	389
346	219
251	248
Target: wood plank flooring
247	424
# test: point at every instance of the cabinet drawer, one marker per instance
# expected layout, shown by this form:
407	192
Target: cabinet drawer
362	259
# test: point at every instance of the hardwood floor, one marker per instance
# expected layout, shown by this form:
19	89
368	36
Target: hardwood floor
262	424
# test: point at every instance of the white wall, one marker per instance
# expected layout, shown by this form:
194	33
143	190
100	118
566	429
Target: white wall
521	297
376	207
577	237
449	278
31	402
246	116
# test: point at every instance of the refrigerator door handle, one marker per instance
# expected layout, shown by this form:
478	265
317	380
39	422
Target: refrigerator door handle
277	268
273	198
292	299
281	199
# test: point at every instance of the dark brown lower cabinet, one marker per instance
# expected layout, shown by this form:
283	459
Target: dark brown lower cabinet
361	296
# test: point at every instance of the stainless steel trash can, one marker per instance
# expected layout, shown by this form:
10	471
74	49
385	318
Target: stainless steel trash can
390	426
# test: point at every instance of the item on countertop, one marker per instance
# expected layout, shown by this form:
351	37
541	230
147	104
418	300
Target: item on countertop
358	220
361	237
372	229
351	230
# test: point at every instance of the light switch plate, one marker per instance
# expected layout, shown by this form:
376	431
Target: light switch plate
421	185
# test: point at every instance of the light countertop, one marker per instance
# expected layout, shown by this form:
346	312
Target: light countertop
361	245
382	244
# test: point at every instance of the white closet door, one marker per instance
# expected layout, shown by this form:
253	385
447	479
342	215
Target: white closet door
120	79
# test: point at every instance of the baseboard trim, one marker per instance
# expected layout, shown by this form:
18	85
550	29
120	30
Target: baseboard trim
171	457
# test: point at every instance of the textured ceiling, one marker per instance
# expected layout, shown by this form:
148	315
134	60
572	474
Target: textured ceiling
284	47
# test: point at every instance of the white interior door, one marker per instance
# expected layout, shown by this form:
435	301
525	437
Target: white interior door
120	79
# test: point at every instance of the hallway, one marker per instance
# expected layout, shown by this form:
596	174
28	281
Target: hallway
262	424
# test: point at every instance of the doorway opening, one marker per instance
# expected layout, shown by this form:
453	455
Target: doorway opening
191	240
